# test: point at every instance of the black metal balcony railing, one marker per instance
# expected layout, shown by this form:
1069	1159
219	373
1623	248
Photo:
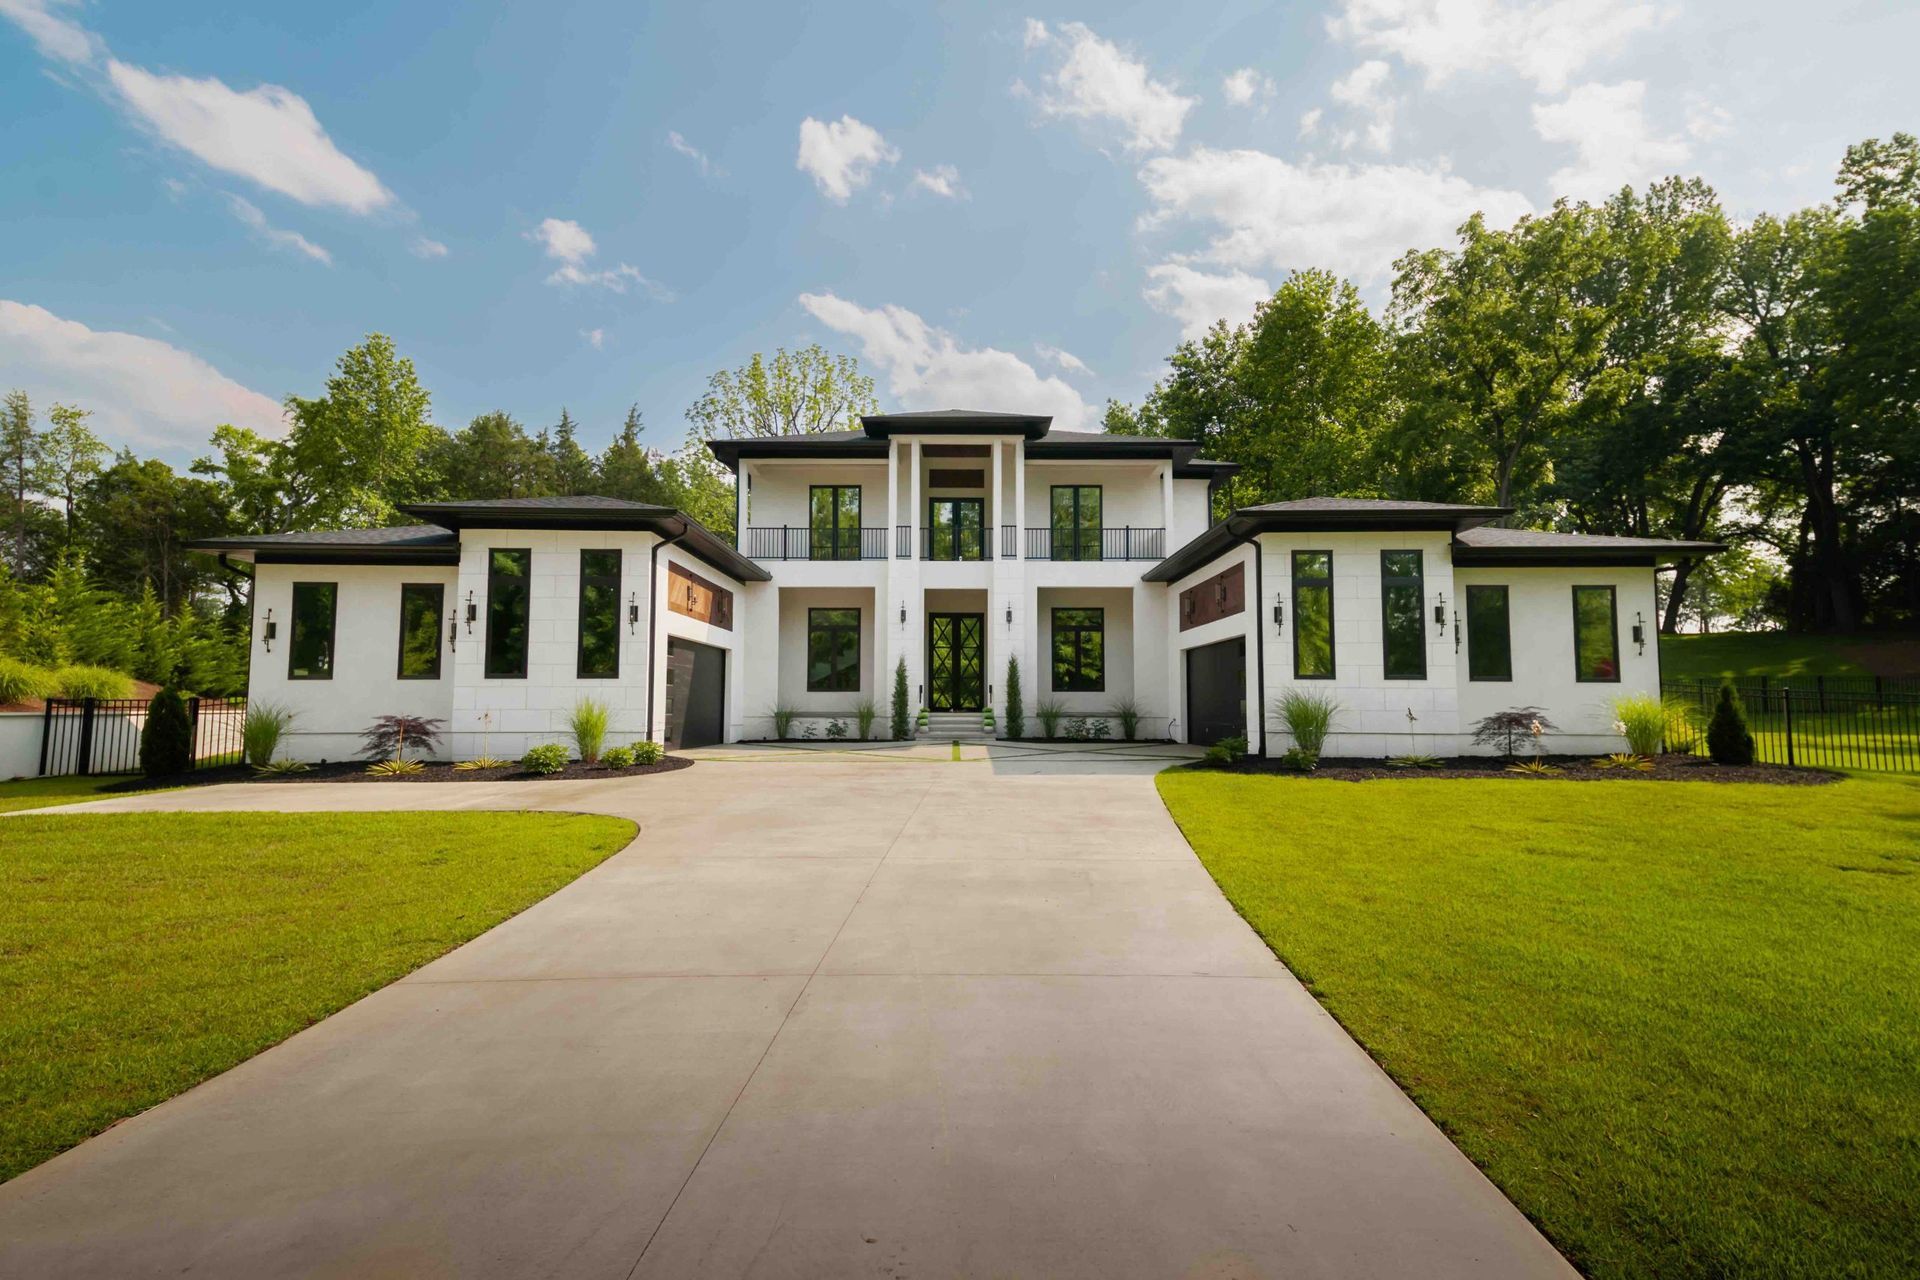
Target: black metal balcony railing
954	544
1126	542
800	542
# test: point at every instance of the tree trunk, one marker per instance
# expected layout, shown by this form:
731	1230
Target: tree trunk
1833	604
1676	596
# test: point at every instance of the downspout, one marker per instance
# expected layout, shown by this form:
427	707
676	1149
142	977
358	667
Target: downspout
1259	641
653	612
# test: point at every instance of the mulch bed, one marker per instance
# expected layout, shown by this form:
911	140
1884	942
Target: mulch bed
356	771
1572	769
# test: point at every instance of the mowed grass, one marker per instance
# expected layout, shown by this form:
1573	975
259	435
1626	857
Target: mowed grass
1755	653
43	793
1677	1023
143	953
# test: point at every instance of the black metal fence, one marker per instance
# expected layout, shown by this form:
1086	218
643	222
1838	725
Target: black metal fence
1122	543
803	542
102	735
1877	688
1856	726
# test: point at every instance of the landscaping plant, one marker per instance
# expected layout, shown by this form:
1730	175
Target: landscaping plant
837	729
864	714
782	717
397	767
166	740
902	727
21	681
1016	714
481	762
1642	721
1300	758
648	753
388	737
1227	750
261	731
1504	729
92	682
618	758
1624	760
1535	768
1683	728
1415	762
1048	713
587	726
1127	712
1098	729
1729	741
548	757
1309	715
282	767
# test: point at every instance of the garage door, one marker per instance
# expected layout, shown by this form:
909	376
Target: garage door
696	694
1217	692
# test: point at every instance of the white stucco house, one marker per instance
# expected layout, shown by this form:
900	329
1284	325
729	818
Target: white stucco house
953	541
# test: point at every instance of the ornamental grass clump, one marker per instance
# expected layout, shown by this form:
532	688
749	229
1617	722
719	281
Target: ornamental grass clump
261	731
1642	721
1309	715
1127	712
1048	713
92	682
864	714
1729	741
23	682
587	726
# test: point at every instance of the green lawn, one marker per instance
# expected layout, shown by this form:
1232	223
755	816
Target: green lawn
1758	653
143	953
1677	1023
41	793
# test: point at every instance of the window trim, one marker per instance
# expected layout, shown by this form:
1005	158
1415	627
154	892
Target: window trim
859	514
859	624
1506	619
293	629
487	670
439	616
580	671
1417	581
1293	590
1053	648
1099	530
1613	632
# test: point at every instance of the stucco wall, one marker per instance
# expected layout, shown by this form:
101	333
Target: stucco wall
793	606
20	743
1119	674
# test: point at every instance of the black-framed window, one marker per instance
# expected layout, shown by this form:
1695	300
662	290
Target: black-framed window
833	516
599	653
1075	513
310	654
1403	631
422	606
1079	650
833	651
509	601
1596	636
956	529
1489	635
1313	615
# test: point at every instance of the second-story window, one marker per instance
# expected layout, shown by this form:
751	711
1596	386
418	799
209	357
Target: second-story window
833	517
1076	521
956	529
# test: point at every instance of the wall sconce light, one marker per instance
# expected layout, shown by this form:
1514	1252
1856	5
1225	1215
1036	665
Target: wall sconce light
1009	615
473	612
1640	631
633	611
453	636
1440	610
903	615
272	629
1456	633
1279	615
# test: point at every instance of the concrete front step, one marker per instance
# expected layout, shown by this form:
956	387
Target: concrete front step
963	725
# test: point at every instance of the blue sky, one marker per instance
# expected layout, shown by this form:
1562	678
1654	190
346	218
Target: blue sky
598	204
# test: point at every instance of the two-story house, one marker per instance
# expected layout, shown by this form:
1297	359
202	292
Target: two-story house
951	542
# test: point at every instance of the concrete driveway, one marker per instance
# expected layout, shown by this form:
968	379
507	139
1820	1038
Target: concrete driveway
826	1017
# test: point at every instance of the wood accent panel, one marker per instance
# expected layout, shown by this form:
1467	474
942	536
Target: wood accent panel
956	478
1221	596
692	595
957	450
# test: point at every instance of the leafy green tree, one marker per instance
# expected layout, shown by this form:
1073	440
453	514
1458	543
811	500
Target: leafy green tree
132	519
366	444
493	457
628	469
20	470
70	457
795	393
571	466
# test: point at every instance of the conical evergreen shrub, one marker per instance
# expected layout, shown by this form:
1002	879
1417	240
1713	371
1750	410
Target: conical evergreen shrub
166	743
1729	741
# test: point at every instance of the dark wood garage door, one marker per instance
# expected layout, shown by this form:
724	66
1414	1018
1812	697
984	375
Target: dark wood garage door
1217	692
696	694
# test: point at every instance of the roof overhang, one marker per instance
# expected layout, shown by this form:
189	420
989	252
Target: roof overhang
282	550
730	451
1247	524
1521	557
881	426
674	526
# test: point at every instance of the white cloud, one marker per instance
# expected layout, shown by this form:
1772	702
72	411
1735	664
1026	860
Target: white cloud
1365	91
1546	41
568	243
55	36
1707	120
1198	298
942	180
691	152
422	247
249	213
1035	35
1614	145
267	134
841	155
1065	359
1096	80
141	390
1245	87
596	338
1310	122
1269	214
927	368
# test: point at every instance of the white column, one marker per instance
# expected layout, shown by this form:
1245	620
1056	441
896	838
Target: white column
1166	508
893	499
999	517
913	496
740	513
1019	498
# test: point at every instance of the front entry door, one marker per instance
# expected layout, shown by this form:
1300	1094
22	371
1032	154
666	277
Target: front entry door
956	665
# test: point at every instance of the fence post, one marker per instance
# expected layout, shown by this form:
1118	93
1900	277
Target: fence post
1820	687
193	738
46	733
1786	705
85	764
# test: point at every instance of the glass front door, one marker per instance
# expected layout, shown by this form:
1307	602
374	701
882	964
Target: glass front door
956	529
956	662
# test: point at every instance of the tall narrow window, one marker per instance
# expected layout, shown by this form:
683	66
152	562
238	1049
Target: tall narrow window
508	598
1489	642
1075	509
833	517
421	605
1403	597
833	650
1596	636
1079	650
599	656
956	529
310	656
1313	615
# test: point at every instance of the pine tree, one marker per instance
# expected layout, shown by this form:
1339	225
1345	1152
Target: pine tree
902	722
1016	713
1729	741
166	742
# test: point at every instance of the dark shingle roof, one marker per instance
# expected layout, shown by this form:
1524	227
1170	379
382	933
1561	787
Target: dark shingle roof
1043	441
1489	542
400	536
1371	507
